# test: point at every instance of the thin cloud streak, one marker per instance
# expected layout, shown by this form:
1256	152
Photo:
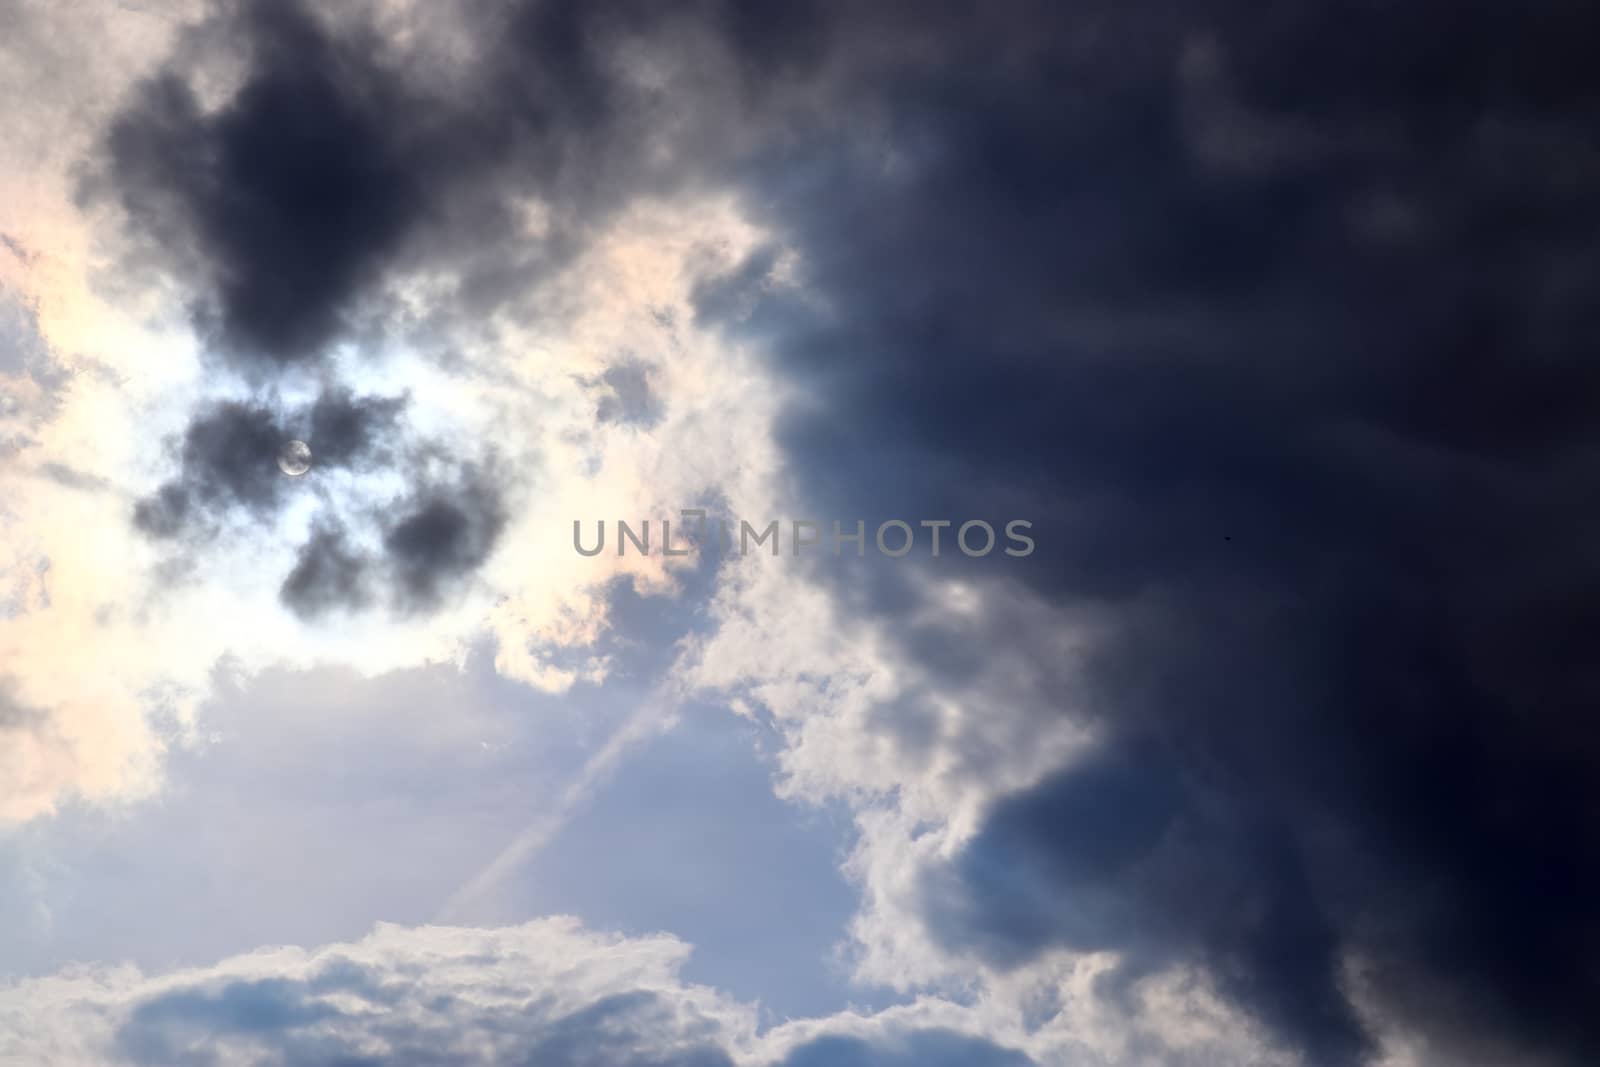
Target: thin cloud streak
654	717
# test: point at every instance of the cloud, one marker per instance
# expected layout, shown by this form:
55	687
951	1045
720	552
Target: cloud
442	535
1288	367
31	379
931	1048
291	193
546	992
630	399
82	580
310	184
1309	485
228	471
340	156
1113	854
625	1029
13	716
228	457
345	429
36	758
329	573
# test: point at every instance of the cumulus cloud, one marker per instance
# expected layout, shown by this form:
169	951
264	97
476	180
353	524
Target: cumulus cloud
548	992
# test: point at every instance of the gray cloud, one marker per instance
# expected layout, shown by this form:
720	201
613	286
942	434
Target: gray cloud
630	398
290	194
430	542
441	536
1318	481
228	458
345	429
329	573
14	715
1119	852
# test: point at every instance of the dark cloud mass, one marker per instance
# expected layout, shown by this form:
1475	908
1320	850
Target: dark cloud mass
290	193
1104	856
344	159
1274	323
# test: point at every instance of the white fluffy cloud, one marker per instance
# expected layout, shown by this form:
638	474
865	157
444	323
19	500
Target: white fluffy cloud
919	760
547	992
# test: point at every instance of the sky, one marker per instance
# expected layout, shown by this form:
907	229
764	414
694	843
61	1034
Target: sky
1257	339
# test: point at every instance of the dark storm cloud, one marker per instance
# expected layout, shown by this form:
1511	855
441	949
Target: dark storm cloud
1277	326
